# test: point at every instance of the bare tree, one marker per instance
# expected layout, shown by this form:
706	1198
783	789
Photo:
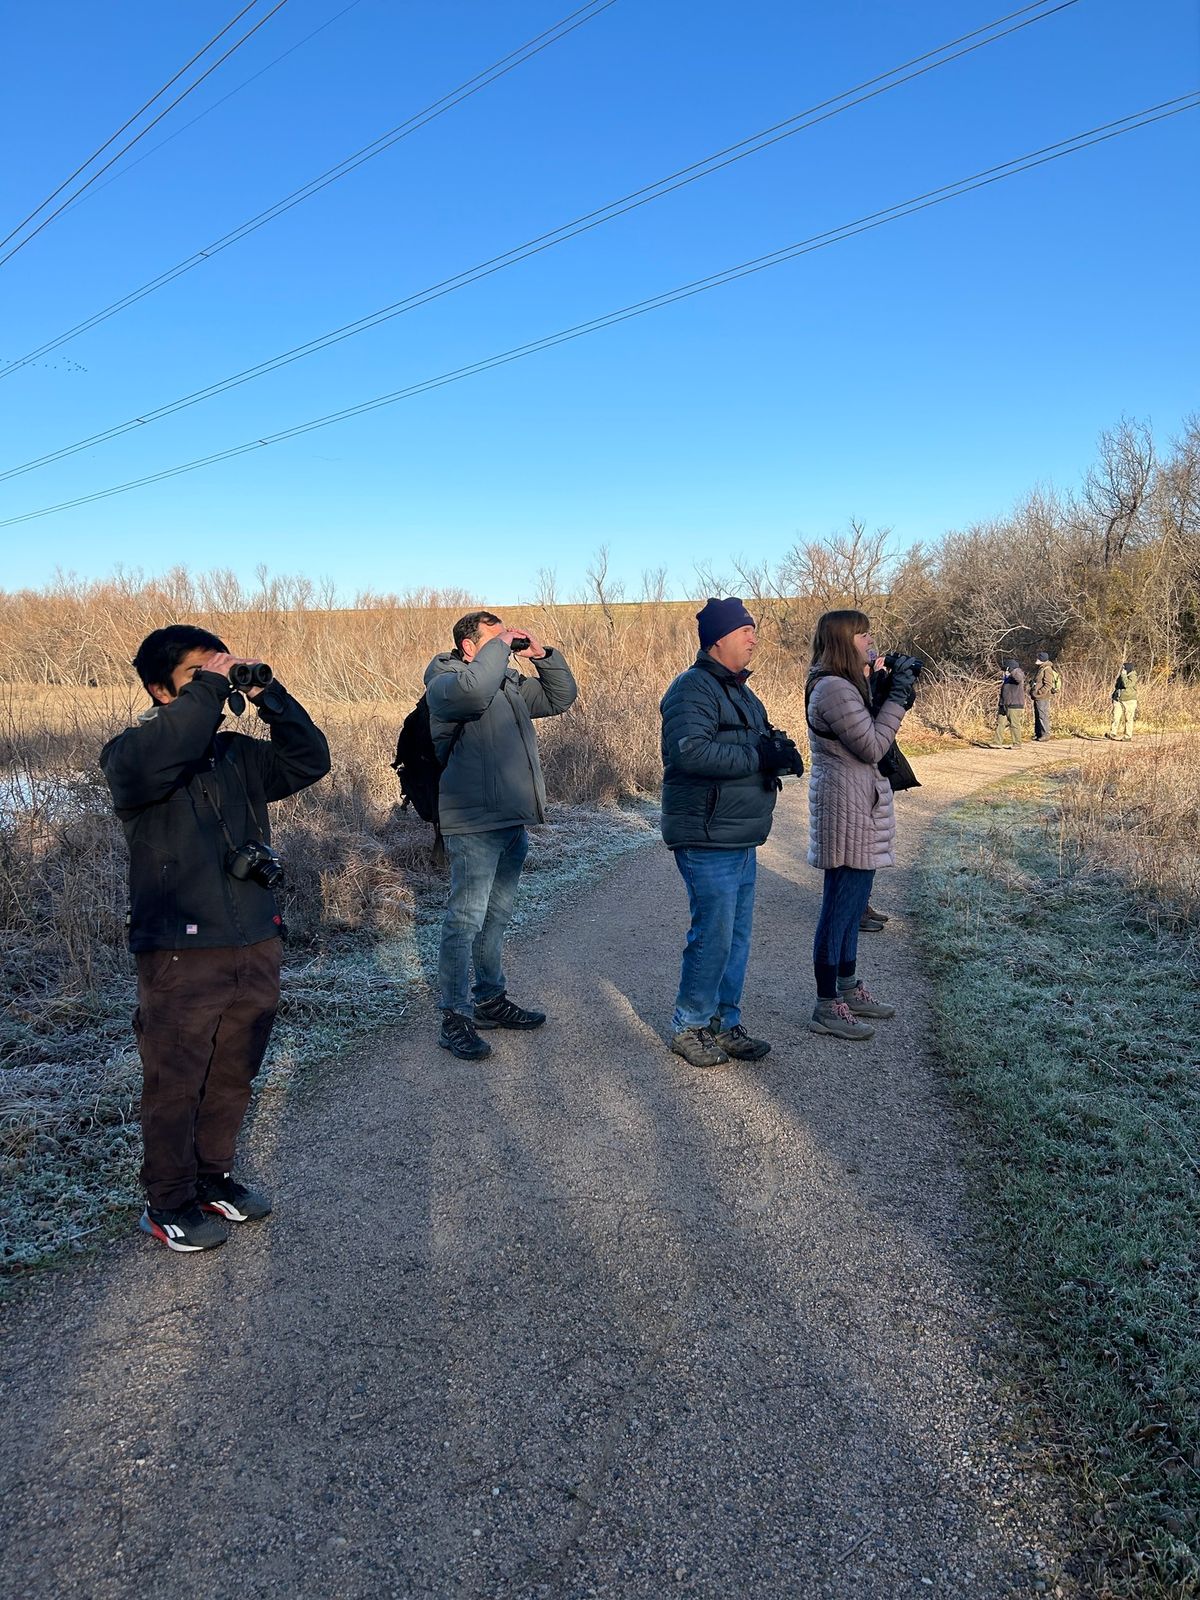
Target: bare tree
844	569
1115	488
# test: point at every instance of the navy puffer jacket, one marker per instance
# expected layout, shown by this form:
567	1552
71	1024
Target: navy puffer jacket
714	796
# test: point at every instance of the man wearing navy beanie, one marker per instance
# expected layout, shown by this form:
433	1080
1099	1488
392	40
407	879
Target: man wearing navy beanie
722	762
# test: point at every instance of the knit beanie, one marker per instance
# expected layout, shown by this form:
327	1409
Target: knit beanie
720	617
1042	656
1011	666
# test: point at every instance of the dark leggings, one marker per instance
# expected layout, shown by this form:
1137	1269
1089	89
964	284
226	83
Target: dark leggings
835	944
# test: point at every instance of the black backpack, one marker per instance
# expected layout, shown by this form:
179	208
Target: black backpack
416	763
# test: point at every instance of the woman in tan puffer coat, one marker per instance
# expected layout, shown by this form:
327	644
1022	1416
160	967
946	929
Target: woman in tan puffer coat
852	826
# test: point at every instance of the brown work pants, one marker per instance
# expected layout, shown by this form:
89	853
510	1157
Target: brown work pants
203	1021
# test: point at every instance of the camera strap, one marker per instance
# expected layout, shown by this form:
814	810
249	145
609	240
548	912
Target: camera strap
221	815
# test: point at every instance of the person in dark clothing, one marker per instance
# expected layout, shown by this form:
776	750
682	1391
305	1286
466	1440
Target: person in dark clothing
721	772
1011	707
1045	684
204	925
480	719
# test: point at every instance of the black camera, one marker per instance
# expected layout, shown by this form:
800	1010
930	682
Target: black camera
520	641
895	659
250	675
256	860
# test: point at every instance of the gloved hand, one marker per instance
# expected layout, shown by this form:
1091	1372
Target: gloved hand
904	679
778	753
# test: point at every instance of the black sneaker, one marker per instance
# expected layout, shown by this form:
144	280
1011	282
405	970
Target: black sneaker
459	1037
219	1192
502	1013
186	1228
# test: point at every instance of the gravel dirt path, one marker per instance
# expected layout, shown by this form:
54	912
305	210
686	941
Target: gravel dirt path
582	1321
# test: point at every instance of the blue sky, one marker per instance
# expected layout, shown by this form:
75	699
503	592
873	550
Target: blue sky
919	377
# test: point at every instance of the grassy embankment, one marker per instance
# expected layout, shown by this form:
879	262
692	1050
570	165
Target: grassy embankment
1062	918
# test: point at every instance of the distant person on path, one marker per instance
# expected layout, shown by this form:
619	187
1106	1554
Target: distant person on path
852	826
1046	682
1125	703
1011	708
204	925
722	762
481	712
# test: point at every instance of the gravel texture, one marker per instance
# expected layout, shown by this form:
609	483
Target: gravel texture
581	1321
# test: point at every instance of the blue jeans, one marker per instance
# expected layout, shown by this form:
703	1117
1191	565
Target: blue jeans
485	869
835	943
720	886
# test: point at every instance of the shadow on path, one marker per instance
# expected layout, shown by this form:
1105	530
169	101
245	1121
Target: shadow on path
580	1321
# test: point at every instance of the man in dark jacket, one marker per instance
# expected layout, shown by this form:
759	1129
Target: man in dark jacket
1011	708
1044	685
203	923
721	766
480	718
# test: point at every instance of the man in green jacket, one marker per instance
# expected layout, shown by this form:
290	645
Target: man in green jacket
721	766
1045	684
480	719
1125	699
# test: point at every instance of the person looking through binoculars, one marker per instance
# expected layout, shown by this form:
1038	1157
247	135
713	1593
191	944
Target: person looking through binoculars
481	712
203	921
852	825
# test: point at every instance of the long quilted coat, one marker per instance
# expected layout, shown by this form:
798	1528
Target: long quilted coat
851	822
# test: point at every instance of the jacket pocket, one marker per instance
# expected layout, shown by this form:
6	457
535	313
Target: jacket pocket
712	801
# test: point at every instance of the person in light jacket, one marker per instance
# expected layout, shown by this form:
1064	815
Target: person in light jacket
481	712
852	825
1125	702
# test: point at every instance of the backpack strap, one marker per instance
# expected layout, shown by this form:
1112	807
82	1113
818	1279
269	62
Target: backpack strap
810	683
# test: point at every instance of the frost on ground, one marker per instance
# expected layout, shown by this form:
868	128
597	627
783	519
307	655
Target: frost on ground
70	1077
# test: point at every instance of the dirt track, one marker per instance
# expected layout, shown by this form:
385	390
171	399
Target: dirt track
583	1321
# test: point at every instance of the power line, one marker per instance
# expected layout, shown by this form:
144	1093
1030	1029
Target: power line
217	104
547	241
127	124
498	69
745	269
153	123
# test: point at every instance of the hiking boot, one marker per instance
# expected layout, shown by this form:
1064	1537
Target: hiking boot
876	916
863	1003
835	1017
222	1193
500	1012
870	925
458	1035
698	1046
186	1228
738	1044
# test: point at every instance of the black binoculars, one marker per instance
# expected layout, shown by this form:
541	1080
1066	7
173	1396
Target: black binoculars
250	675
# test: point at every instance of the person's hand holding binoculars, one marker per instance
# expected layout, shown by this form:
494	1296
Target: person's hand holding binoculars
523	643
223	663
777	753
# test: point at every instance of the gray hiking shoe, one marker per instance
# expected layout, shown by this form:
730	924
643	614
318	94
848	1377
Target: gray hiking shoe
863	1003
835	1017
697	1046
738	1044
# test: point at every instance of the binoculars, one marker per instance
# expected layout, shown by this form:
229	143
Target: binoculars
250	675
